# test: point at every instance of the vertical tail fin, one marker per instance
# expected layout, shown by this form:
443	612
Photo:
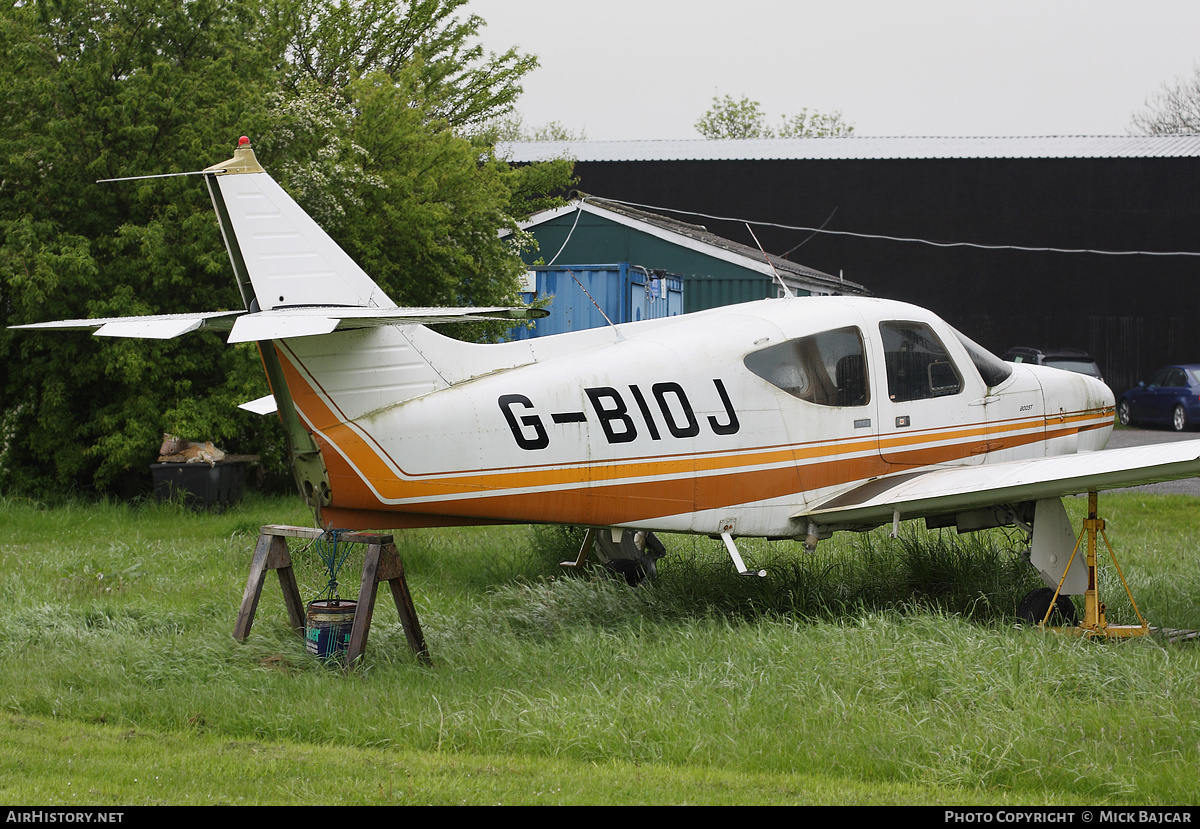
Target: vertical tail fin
282	258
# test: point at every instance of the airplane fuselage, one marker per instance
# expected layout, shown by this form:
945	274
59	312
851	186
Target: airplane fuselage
728	420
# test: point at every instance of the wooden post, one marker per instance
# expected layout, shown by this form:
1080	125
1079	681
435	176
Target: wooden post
271	553
382	563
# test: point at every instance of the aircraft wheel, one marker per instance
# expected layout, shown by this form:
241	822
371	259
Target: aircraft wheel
1033	607
633	557
1124	413
1179	418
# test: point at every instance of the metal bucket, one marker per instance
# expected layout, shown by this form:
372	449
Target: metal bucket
328	627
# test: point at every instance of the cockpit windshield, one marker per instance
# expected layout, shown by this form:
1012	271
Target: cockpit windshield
992	369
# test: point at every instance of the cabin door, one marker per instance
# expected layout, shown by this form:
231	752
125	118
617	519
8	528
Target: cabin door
926	416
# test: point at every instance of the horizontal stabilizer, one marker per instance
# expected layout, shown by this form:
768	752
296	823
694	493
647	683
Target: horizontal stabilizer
156	327
154	330
253	328
944	490
261	406
281	323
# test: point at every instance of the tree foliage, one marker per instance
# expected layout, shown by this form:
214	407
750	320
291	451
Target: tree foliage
337	42
512	127
362	110
1173	110
744	118
368	162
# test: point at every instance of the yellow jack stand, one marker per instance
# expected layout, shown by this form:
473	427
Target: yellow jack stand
1094	623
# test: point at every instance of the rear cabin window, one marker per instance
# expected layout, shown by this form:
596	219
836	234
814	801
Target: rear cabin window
829	369
917	364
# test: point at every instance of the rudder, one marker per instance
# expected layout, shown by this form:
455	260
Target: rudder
281	256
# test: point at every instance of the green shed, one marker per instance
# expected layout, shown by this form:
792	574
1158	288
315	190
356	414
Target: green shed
716	271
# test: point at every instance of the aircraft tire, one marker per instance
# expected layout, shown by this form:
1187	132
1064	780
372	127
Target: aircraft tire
634	563
1033	607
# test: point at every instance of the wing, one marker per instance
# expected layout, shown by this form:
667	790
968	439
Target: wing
947	490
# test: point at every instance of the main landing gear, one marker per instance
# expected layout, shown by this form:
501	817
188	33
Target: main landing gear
1046	607
630	554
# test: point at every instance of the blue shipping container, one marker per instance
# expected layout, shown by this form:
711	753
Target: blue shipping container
583	295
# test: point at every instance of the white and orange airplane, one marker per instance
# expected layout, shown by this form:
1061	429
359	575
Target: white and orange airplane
782	418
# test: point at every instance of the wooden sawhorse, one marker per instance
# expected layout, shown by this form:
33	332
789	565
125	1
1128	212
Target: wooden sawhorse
382	564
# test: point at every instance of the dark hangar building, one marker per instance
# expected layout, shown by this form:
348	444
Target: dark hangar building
1039	241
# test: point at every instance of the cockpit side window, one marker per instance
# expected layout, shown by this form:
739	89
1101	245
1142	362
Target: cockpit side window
918	366
829	369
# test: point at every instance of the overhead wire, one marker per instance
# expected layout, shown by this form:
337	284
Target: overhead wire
809	237
578	212
882	237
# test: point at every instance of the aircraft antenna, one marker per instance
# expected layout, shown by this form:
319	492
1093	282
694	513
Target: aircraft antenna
144	178
598	308
786	290
589	296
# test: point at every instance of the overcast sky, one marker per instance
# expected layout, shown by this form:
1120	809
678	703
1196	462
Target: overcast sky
647	69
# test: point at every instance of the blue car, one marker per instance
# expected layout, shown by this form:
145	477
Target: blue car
1171	398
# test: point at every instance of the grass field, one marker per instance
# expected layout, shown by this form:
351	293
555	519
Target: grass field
874	671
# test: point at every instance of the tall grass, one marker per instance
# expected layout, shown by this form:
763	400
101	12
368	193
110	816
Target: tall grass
874	665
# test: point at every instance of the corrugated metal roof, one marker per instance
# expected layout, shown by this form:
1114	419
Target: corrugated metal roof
705	236
1053	146
700	238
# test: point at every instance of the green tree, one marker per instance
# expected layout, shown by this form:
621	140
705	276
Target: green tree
379	95
512	127
814	124
744	118
538	186
336	42
98	90
414	203
113	88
